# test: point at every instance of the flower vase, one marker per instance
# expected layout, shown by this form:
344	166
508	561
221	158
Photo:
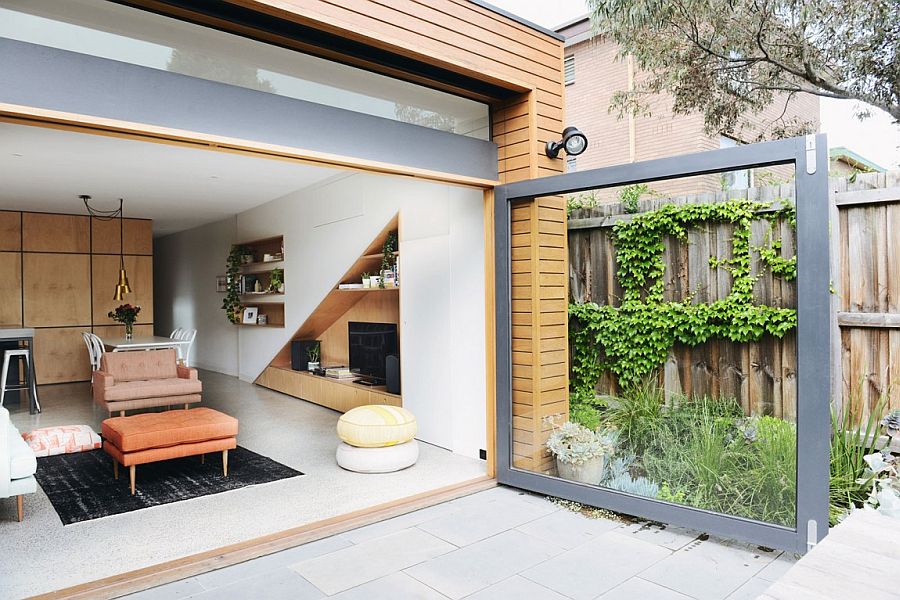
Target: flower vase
129	331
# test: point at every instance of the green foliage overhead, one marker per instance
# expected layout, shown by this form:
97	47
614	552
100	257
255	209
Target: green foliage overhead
730	59
632	340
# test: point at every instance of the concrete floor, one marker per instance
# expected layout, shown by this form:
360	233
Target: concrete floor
40	554
501	544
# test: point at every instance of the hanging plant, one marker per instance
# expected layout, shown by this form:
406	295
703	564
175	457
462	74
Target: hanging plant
231	304
387	255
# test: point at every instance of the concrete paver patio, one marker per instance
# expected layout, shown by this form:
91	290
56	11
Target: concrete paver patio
498	544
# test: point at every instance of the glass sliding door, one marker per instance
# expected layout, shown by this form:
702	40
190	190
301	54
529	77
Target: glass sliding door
689	383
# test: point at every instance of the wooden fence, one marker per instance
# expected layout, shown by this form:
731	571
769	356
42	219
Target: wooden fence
762	375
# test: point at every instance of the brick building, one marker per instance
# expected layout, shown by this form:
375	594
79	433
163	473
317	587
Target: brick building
594	73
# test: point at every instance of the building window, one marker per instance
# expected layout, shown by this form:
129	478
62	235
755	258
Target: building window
735	180
571	164
107	30
569	69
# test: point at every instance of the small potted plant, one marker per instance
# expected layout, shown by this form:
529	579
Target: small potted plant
276	281
312	353
367	283
127	315
579	452
386	274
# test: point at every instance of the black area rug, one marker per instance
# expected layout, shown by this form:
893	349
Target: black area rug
81	486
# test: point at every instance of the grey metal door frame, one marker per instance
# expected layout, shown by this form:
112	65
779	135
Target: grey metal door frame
810	159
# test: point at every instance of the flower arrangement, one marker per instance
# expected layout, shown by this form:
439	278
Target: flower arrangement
575	444
126	314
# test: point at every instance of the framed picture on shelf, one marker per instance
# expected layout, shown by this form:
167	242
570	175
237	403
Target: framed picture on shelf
221	283
250	314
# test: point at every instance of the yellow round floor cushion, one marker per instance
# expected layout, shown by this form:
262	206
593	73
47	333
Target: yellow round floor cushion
376	426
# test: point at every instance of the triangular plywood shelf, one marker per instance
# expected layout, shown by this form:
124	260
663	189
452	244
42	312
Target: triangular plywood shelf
338	302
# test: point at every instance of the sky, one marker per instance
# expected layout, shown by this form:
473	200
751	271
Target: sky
875	138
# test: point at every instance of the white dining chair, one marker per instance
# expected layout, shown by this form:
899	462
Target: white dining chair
95	351
184	350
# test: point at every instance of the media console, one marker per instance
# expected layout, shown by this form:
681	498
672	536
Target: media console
325	391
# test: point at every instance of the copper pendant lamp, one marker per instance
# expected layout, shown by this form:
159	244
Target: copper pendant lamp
122	285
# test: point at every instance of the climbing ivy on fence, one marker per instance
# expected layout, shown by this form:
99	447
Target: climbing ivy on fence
633	340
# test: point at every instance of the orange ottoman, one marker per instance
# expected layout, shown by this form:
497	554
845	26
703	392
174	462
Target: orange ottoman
151	437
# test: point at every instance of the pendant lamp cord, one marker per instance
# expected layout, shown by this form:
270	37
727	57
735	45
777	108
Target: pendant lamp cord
109	215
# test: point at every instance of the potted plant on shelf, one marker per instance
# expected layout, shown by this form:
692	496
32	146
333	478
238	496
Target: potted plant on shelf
388	260
246	255
276	281
367	283
312	353
127	315
579	452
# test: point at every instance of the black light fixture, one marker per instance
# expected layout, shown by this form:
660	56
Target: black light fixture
122	287
573	141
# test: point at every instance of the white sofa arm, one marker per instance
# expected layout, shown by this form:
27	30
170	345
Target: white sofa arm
4	453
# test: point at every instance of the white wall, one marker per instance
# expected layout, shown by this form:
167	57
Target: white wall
185	266
325	228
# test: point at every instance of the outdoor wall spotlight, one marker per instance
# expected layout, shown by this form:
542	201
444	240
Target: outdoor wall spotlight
573	141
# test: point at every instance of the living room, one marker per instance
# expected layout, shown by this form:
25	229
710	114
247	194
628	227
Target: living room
333	226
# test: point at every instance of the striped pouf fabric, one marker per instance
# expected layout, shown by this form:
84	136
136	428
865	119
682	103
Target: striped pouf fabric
376	426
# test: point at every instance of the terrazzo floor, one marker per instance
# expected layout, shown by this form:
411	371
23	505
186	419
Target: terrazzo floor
41	555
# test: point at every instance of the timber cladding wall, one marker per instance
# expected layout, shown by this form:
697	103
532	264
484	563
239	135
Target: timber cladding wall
762	375
58	274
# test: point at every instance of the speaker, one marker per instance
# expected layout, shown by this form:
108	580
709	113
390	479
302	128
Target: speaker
392	373
299	358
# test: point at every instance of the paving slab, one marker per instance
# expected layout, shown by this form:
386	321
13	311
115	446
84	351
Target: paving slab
361	563
472	568
568	529
516	588
391	587
596	567
641	589
709	569
480	520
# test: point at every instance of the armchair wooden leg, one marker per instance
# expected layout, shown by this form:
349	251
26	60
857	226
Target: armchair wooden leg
202	459
115	469
131	476
225	463
20	507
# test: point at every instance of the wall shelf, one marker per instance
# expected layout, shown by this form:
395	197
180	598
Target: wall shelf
261	270
369	290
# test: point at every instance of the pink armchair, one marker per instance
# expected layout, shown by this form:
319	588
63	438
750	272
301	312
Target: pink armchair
144	379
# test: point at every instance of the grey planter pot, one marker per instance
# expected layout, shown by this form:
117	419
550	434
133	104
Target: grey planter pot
589	472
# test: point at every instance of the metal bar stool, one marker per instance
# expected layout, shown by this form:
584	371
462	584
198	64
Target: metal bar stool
29	376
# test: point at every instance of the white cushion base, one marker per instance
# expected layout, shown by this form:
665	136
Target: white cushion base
377	460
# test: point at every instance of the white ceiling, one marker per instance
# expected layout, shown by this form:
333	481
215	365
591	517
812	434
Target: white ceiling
45	170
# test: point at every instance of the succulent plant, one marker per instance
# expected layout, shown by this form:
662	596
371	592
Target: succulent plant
575	444
891	423
639	486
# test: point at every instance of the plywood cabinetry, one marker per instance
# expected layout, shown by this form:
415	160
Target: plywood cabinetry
61	355
10	230
44	232
10	288
49	280
140	275
105	236
331	393
57	289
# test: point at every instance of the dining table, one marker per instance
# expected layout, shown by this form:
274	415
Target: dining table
143	342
